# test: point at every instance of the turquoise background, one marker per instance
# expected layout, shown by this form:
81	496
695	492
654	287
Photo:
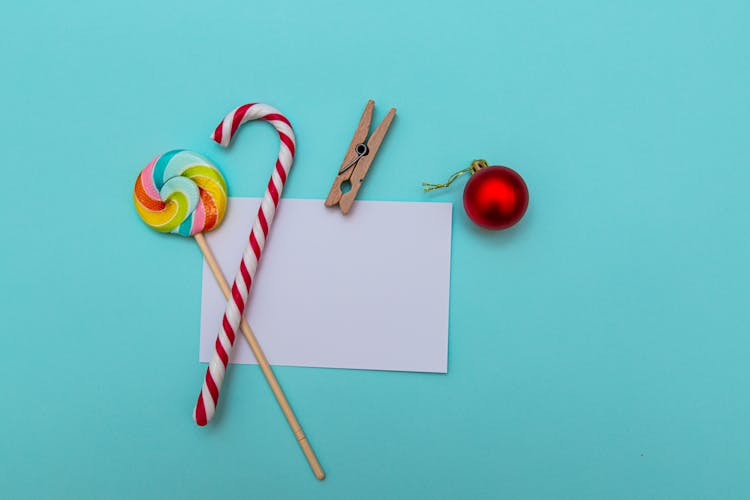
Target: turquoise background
598	350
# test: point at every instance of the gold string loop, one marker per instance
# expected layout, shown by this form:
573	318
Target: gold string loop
473	169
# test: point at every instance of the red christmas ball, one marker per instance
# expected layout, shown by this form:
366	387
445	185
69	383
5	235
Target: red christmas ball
495	197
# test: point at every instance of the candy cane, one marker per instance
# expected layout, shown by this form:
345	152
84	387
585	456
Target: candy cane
209	396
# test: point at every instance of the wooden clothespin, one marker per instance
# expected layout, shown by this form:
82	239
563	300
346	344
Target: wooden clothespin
358	159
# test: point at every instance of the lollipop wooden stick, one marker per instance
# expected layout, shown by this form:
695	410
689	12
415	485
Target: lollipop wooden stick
265	366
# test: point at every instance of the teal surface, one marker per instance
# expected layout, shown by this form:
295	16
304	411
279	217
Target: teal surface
599	350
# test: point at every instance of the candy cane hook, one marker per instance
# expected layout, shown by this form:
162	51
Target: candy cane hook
209	396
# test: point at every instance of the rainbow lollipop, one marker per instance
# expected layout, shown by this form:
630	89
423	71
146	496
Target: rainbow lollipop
182	192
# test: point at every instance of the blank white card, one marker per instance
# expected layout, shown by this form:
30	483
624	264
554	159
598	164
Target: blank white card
367	290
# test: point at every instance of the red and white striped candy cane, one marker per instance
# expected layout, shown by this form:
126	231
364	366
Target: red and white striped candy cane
223	134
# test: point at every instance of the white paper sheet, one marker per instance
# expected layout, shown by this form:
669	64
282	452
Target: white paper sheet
368	290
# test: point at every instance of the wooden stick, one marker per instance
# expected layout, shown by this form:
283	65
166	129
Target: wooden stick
265	367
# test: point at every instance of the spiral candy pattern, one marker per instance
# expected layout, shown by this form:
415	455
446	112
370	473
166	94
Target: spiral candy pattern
181	192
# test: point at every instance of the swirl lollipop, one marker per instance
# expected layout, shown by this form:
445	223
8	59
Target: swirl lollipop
182	192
